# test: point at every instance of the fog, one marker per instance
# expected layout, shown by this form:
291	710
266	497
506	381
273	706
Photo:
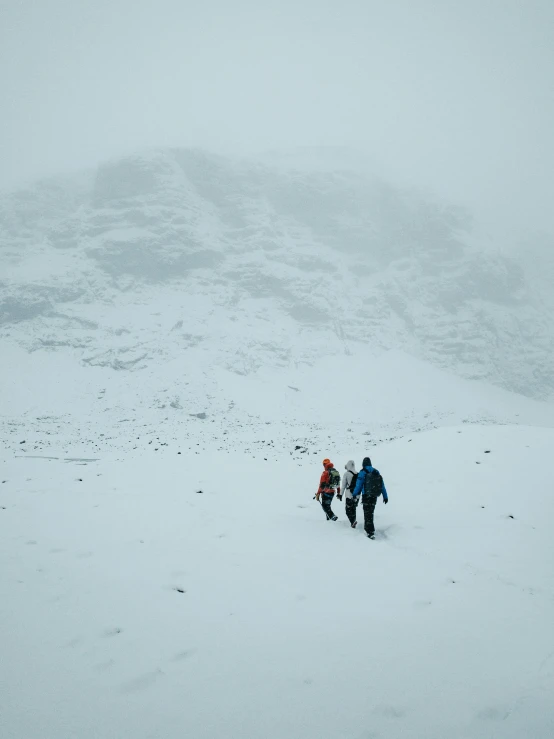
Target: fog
185	337
456	97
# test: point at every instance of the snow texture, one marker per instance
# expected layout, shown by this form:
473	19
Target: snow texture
133	606
184	338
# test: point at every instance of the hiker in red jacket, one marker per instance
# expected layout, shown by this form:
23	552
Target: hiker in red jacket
328	484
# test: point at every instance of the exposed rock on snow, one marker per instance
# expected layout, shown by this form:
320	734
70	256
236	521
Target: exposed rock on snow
150	256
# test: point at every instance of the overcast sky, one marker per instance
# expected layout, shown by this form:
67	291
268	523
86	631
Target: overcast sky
453	95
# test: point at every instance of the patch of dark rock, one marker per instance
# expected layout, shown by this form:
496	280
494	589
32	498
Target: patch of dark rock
113	632
179	590
201	416
510	517
199	492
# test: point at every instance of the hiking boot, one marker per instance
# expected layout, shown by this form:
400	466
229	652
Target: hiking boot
371	536
335	518
354	524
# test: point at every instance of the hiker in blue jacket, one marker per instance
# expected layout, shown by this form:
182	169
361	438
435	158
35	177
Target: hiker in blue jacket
370	486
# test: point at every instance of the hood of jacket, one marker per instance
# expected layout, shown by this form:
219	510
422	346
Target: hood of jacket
350	466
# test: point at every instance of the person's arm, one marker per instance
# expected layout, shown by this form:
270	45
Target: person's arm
344	481
359	483
385	494
322	483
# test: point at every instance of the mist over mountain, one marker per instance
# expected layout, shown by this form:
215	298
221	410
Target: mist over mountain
270	264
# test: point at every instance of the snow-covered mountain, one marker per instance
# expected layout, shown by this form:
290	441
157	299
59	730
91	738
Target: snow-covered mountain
179	254
183	339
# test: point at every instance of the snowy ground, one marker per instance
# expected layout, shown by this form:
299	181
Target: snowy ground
133	605
173	371
57	407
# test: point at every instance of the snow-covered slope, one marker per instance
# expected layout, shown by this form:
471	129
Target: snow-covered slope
53	406
150	257
183	339
132	605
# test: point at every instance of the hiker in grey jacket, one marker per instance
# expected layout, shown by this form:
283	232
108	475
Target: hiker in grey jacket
348	483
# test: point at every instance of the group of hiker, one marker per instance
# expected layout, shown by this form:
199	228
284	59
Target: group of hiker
366	484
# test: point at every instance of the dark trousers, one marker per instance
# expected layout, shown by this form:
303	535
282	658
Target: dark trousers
369	503
326	500
351	505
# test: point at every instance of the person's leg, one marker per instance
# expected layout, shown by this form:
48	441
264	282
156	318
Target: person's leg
369	509
351	510
326	500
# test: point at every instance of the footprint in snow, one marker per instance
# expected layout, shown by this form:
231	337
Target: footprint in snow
390	711
492	714
72	643
103	666
142	682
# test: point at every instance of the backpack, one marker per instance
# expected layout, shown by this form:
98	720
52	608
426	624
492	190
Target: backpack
352	485
334	478
373	484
